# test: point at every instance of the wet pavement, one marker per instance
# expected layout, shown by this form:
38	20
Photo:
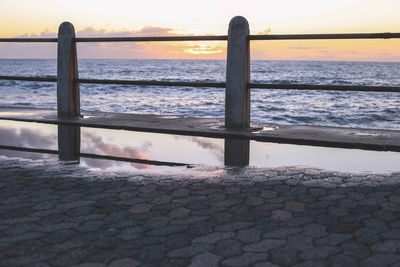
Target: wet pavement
54	214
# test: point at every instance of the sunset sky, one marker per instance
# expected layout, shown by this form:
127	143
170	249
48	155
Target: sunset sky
25	18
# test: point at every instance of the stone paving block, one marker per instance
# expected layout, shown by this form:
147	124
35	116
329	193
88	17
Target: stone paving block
189	220
157	222
190	251
300	242
246	259
295	206
284	256
213	237
152	253
167	230
141	208
19	238
265	264
333	239
390	246
201	228
266	225
343	261
355	249
264	245
124	262
228	248
180	193
131	232
179	213
248	235
282	233
66	206
89	264
319	253
281	215
205	259
233	226
178	240
314	230
314	263
90	226
380	259
267	194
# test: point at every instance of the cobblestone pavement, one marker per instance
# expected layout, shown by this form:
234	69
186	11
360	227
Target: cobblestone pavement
63	215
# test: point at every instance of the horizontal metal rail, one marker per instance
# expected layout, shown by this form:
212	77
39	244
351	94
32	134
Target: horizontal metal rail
386	35
28	40
95	156
28	149
29	79
153	39
151	83
139	161
361	88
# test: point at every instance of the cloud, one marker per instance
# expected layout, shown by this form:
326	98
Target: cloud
27	138
214	148
96	145
118	50
145	31
301	47
94	50
44	34
265	32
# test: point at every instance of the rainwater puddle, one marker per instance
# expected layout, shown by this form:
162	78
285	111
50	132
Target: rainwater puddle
183	149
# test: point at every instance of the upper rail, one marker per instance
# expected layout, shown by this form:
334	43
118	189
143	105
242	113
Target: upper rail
385	35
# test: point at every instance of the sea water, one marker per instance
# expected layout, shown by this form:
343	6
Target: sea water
329	108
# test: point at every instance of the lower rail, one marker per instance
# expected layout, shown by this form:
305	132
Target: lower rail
269	86
95	156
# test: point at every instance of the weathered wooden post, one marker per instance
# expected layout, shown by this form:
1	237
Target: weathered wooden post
237	95
68	99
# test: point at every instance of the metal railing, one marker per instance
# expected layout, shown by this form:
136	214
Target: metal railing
237	93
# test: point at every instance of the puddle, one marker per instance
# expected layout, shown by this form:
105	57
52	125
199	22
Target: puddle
365	134
266	129
185	149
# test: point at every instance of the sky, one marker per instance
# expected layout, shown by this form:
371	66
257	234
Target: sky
41	18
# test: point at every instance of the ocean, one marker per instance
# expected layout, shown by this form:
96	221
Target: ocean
329	108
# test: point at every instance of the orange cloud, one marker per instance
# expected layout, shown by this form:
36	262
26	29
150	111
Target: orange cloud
124	50
358	50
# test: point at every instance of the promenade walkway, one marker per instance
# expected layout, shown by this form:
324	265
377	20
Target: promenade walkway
56	214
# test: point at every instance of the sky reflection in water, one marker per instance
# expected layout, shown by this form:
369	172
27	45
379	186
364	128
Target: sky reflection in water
185	149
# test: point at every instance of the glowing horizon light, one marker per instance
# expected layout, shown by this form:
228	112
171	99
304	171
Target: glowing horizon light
41	18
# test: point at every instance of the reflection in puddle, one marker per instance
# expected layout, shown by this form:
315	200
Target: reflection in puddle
118	143
185	149
336	159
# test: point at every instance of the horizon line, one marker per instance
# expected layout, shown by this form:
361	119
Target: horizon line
200	59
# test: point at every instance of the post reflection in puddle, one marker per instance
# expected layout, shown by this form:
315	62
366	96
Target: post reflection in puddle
181	149
69	142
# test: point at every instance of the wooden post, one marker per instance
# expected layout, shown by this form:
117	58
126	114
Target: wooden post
68	99
237	96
